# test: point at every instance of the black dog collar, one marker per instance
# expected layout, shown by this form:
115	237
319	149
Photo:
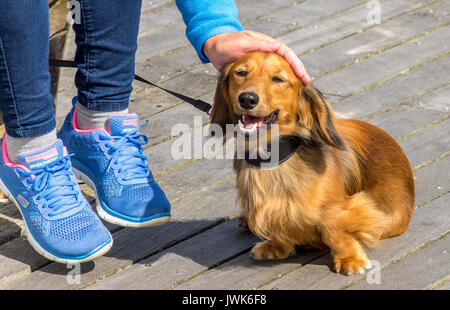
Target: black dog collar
287	146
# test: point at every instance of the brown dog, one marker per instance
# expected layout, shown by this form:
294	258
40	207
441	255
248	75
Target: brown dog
348	183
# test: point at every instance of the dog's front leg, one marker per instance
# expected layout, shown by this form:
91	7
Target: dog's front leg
347	252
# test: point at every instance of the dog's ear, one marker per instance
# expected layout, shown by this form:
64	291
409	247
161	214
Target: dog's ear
220	112
316	114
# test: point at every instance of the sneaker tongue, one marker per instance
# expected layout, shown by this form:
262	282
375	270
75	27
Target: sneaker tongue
42	157
120	125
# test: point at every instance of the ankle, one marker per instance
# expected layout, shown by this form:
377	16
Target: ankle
20	145
90	119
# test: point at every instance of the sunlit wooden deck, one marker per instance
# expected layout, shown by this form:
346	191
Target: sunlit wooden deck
394	74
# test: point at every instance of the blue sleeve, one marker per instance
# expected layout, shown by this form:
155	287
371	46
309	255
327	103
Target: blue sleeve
207	18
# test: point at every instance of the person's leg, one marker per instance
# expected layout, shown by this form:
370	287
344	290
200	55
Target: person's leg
105	140
25	99
106	42
35	169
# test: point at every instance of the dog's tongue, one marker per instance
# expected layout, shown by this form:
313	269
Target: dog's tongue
119	125
251	120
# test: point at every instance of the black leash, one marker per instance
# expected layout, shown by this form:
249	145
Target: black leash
197	103
288	145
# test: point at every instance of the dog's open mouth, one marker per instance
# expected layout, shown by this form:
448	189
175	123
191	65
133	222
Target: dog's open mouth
249	123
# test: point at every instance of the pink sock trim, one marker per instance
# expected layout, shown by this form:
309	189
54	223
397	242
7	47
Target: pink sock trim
8	161
75	126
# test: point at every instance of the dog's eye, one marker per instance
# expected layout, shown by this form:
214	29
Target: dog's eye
242	73
277	79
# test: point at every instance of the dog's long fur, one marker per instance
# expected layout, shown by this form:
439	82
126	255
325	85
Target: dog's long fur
349	184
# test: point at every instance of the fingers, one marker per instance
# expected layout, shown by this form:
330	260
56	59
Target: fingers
251	43
259	35
265	43
237	44
295	62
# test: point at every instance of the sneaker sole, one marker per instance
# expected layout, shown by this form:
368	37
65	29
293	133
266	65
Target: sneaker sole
111	218
38	248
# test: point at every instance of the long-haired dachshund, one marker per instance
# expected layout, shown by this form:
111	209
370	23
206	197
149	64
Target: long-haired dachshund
347	183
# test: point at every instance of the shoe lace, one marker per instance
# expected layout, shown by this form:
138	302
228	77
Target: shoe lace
127	152
56	189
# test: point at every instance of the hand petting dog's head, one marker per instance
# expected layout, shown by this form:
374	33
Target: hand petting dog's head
260	89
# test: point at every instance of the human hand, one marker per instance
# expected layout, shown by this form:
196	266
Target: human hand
227	47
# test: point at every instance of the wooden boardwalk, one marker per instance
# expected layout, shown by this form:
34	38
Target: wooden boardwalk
394	74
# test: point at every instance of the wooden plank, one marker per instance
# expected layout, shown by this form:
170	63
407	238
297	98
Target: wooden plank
148	5
380	38
243	272
299	15
416	271
428	144
427	223
407	118
191	215
161	16
178	61
360	74
185	259
432	181
58	34
8	230
17	259
250	10
445	286
173	37
11	225
399	90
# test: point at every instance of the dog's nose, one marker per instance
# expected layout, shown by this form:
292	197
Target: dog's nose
248	100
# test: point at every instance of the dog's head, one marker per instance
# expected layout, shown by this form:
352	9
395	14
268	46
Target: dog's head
261	89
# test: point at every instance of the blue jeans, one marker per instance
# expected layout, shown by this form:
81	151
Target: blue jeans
106	40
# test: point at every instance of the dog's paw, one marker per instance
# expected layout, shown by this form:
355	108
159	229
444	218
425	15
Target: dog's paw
267	250
351	266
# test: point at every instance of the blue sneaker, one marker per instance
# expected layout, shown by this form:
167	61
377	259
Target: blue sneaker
113	163
60	224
